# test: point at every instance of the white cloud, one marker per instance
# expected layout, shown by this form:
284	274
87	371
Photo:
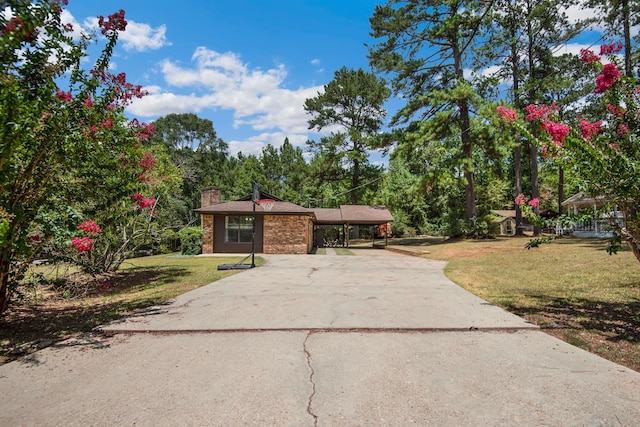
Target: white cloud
248	147
7	13
67	18
255	144
137	36
256	97
577	13
161	104
315	62
141	37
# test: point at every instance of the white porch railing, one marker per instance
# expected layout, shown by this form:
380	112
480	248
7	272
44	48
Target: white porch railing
601	228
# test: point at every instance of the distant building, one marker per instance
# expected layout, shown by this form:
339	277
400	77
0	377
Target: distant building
506	219
280	227
599	224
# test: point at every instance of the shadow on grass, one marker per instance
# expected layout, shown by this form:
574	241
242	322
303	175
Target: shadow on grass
25	329
420	241
619	321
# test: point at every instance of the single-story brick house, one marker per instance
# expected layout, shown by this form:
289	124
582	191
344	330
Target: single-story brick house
285	229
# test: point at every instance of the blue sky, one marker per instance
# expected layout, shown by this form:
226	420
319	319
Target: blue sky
247	65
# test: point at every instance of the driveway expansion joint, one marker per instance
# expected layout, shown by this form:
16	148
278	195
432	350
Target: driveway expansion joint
400	330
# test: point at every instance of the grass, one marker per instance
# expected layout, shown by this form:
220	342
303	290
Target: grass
572	288
339	251
140	283
343	251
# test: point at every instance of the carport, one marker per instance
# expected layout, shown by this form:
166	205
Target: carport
346	216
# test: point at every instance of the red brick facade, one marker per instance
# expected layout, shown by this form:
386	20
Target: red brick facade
287	234
207	234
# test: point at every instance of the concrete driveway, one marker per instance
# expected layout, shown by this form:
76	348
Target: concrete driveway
372	339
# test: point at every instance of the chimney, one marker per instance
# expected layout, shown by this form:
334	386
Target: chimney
210	196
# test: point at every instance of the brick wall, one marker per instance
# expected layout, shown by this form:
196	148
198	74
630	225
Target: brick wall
210	196
286	234
207	234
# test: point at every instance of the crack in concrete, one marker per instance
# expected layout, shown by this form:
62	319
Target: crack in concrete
342	330
311	375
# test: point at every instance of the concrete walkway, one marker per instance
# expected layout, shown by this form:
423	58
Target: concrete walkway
373	339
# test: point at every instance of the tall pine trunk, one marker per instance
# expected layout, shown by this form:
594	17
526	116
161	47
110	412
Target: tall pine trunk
465	136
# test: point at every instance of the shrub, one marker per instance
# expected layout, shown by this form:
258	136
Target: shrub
190	240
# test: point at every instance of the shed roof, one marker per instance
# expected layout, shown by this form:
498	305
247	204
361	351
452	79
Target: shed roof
507	213
328	216
365	215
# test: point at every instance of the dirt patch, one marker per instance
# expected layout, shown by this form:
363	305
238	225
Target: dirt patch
67	310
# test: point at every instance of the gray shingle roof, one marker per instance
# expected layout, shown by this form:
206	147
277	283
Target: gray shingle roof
244	207
363	214
346	214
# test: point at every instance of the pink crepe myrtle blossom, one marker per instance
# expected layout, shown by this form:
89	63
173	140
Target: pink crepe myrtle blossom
88	102
143	130
90	227
13	25
557	131
93	131
138	197
82	244
146	203
534	202
615	146
115	22
608	49
616	110
540	112
63	96
610	75
623	130
16	27
147	162
588	56
521	199
590	130
147	131
506	114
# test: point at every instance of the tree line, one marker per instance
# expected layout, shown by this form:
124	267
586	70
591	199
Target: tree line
451	162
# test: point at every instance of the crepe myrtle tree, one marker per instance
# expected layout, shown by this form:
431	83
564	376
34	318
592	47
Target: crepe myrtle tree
66	150
603	151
